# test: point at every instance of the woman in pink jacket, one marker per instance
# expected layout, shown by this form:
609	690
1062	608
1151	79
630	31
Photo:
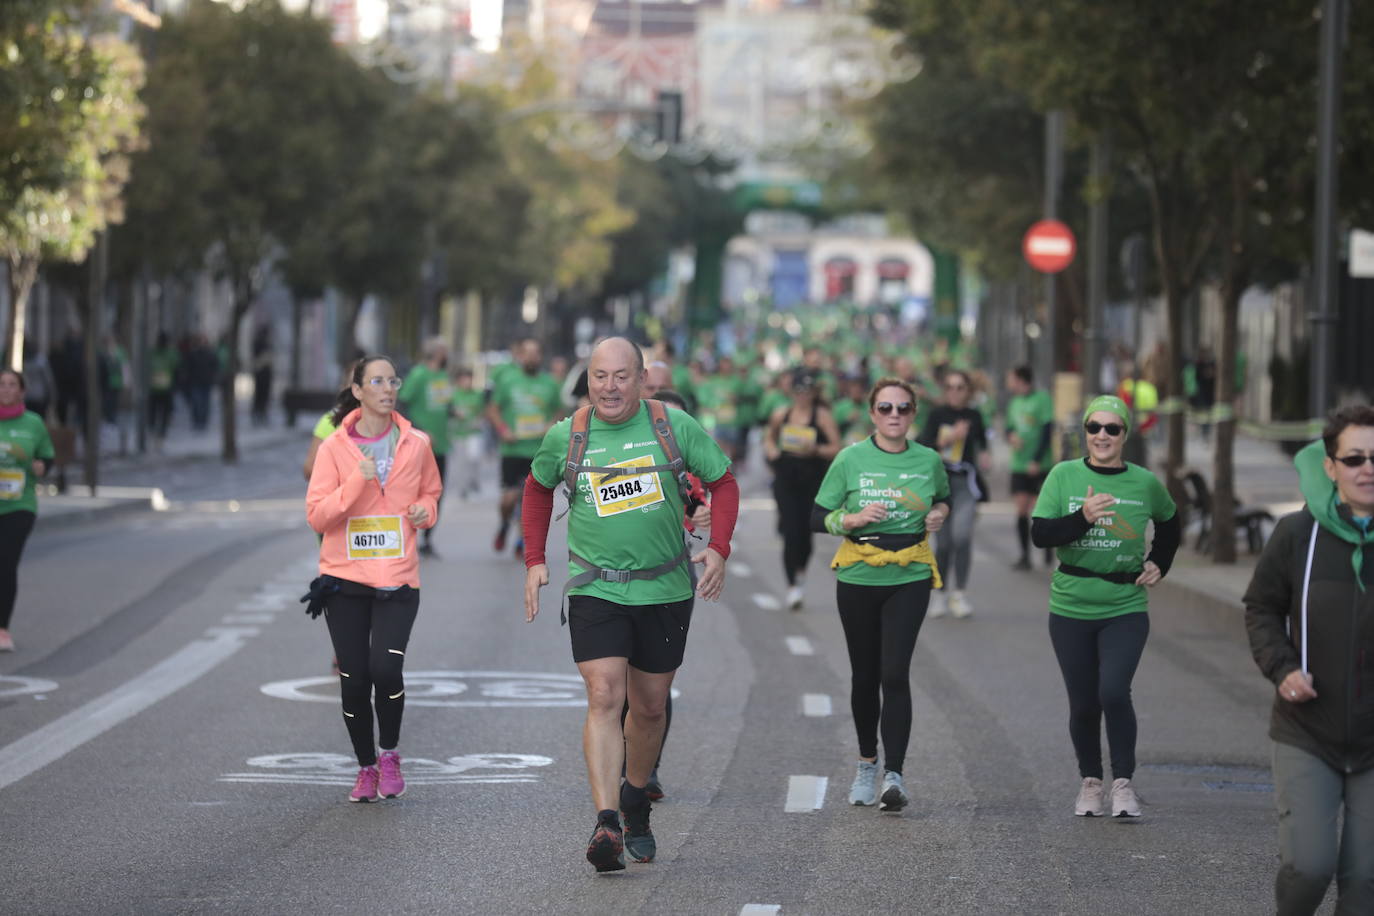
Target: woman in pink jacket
373	485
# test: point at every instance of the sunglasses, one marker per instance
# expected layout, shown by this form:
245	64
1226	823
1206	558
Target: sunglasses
1111	429
903	409
1354	461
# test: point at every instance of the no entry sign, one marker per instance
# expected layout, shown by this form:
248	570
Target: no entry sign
1049	246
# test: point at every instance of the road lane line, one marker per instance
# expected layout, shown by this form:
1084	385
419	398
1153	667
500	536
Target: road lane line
805	793
767	602
760	909
816	704
739	568
247	618
62	736
800	645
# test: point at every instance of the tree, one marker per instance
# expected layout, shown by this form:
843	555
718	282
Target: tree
257	160
68	121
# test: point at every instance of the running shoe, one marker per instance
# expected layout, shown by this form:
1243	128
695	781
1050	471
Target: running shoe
864	790
606	849
6	641
654	788
1091	801
894	793
938	607
794	597
959	606
1125	803
365	789
390	783
499	543
639	839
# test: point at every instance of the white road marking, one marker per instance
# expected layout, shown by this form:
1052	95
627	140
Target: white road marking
816	704
339	770
456	689
61	736
247	618
767	602
800	645
22	685
740	569
760	909
805	793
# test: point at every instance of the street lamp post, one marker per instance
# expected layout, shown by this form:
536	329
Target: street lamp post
1324	255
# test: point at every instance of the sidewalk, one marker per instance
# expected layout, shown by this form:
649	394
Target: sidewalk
1265	477
130	483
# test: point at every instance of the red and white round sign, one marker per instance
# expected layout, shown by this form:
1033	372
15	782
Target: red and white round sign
1049	246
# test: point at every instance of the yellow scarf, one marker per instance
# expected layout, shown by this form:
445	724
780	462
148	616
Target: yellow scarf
851	553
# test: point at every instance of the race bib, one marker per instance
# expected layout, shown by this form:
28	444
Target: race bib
798	438
529	425
613	495
725	414
440	392
11	483
376	537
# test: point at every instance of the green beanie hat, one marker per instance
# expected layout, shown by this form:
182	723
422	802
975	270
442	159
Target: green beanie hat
1112	405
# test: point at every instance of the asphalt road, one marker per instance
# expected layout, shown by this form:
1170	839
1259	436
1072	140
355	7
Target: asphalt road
170	742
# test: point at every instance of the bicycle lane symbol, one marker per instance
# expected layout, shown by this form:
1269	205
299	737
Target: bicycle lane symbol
456	689
323	769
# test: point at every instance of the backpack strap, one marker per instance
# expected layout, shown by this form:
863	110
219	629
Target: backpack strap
663	432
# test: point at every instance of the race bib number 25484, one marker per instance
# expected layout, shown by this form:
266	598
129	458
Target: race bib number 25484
613	495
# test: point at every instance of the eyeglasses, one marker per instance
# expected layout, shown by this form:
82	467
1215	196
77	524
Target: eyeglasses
377	382
1111	429
1353	461
903	409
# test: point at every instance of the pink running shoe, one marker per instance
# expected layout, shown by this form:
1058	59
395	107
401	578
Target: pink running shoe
365	789
391	784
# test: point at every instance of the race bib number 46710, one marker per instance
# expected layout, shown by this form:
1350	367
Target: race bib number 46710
376	537
613	495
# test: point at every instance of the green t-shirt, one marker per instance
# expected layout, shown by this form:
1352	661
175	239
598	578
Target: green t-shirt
772	399
324	427
1027	415
718	401
22	440
426	394
630	522
908	483
466	412
1115	544
162	368
528	404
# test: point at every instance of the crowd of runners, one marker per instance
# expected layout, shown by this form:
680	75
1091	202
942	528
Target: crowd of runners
884	447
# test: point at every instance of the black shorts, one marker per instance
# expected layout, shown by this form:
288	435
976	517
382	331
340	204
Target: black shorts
1021	482
513	471
652	636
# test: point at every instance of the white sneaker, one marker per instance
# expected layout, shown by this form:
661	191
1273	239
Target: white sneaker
1125	803
864	790
894	797
795	594
1090	801
959	606
937	608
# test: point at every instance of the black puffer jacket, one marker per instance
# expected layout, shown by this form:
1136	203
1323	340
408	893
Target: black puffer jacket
1338	726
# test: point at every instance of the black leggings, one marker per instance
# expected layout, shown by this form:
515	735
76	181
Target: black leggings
370	635
441	462
1098	659
14	532
795	495
881	623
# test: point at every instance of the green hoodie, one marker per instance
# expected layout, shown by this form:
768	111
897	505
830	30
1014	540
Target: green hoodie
1324	503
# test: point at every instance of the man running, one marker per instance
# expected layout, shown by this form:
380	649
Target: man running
425	398
629	617
525	402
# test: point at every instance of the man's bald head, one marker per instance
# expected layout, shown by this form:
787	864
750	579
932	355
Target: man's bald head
621	346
